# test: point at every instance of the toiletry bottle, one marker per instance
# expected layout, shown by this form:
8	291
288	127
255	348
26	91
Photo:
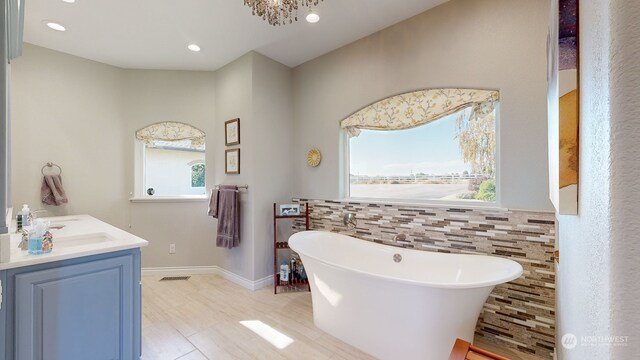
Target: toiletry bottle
284	272
292	270
26	215
19	221
303	274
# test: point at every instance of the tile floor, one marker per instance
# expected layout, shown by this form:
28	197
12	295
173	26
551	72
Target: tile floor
200	319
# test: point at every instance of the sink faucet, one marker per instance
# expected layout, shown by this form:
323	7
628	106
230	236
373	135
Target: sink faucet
24	243
399	237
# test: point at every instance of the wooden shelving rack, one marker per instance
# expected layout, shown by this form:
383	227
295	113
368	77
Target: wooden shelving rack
285	245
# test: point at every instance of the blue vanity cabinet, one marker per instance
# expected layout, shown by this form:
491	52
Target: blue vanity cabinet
85	308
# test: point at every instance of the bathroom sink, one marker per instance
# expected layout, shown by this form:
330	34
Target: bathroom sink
61	223
65	220
80	240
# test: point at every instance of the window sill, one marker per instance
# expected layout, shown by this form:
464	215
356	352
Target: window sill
169	199
428	203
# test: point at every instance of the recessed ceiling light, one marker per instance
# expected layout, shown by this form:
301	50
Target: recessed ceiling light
69	1
193	47
55	26
312	17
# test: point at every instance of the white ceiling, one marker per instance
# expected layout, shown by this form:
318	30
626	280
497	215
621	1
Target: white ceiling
154	34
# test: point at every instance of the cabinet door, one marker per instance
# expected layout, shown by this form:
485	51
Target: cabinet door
82	311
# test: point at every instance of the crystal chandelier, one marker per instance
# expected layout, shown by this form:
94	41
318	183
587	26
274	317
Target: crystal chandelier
279	12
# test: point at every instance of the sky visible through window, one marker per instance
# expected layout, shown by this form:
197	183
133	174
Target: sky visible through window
428	149
425	162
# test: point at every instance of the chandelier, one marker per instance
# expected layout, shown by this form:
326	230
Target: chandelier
279	12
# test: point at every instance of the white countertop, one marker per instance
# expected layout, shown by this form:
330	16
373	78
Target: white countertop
82	235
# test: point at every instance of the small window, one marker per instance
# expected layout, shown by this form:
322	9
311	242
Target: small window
171	161
449	158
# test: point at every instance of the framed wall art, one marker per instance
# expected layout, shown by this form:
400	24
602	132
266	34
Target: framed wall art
232	161
564	105
232	132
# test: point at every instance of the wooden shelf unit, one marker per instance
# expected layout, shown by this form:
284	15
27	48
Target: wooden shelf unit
283	245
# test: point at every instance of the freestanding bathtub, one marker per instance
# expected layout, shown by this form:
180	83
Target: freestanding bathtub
411	309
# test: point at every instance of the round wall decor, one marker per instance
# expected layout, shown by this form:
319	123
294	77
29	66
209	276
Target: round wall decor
314	157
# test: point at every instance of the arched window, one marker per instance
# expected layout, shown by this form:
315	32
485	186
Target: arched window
428	145
170	160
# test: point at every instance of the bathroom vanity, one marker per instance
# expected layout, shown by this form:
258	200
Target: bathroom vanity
81	301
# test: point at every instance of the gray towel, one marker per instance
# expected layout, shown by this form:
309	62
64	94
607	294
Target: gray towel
213	203
51	191
224	206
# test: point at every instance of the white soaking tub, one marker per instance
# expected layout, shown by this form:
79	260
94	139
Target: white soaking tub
411	309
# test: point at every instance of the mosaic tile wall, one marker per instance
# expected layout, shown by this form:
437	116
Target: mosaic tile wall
519	314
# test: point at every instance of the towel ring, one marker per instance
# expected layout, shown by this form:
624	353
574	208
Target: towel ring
50	165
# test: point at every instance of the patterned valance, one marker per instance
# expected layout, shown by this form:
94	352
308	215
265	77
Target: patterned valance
175	132
417	108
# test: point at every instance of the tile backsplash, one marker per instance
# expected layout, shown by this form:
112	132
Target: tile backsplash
519	314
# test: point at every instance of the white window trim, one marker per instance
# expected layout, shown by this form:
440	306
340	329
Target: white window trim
139	170
195	162
345	184
139	194
170	199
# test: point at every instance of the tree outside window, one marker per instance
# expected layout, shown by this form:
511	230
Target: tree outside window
197	175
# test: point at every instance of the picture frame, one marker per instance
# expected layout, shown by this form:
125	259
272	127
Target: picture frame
232	132
232	161
289	209
563	99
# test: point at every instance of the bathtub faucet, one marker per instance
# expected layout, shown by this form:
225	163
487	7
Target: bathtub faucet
349	220
399	237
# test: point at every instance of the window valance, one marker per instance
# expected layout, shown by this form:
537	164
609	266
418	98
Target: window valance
175	132
417	108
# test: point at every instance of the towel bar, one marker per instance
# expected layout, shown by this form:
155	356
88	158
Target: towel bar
239	186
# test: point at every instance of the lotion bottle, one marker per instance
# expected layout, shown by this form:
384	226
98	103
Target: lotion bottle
284	272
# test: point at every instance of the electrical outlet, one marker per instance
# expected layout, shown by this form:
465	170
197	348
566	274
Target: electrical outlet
172	248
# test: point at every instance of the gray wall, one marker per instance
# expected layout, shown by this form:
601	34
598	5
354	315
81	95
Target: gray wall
67	110
598	287
494	44
83	116
235	100
258	90
148	97
274	154
625	174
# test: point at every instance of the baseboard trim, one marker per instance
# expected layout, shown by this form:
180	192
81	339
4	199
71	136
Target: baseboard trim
210	270
178	271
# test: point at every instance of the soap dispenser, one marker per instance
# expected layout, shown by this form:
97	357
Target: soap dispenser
25	213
